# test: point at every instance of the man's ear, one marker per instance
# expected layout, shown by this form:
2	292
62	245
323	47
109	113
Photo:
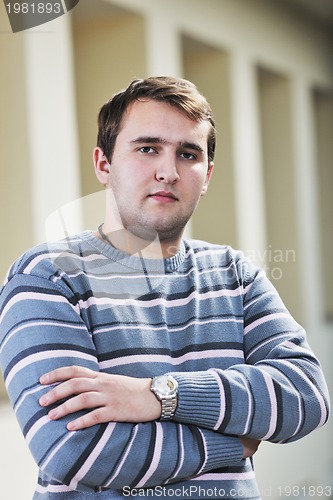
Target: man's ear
101	165
208	176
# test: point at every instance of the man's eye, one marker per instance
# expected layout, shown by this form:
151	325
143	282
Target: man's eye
147	149
188	156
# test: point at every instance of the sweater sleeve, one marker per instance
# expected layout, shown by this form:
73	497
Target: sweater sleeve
278	394
40	330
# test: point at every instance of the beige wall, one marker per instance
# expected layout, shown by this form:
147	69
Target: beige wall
16	223
208	67
16	231
280	191
109	52
323	113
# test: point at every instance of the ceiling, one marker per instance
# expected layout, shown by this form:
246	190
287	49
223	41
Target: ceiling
320	11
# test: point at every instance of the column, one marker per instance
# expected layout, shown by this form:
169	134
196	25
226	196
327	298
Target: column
54	162
163	43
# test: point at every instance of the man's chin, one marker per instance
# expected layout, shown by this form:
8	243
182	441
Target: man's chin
146	234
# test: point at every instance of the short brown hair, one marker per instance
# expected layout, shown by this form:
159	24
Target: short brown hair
177	92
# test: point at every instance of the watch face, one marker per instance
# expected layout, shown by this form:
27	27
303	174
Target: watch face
165	385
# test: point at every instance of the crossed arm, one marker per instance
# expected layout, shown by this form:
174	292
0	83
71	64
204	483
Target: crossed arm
111	398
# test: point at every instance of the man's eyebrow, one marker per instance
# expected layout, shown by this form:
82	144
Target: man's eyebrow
159	140
192	145
150	140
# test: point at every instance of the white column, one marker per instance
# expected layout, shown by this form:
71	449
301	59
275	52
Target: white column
54	162
249	182
163	43
307	203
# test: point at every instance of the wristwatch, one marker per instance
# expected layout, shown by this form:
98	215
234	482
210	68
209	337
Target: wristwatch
165	388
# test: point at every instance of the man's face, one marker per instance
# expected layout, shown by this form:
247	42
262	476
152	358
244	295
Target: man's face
159	170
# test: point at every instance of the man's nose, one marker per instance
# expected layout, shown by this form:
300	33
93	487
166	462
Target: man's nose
166	170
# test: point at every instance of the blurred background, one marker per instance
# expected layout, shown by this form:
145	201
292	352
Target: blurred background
266	67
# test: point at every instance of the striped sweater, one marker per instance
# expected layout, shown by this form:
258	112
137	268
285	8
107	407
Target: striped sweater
207	316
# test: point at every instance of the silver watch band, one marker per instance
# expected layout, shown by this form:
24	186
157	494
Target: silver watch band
168	407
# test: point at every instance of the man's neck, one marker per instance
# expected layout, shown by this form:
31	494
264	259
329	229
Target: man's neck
131	244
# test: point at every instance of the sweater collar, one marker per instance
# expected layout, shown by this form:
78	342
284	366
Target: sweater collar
136	262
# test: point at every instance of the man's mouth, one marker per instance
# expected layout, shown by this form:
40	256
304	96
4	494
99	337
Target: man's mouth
164	196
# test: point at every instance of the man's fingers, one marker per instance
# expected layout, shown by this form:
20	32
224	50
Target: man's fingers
66	389
65	373
94	417
83	401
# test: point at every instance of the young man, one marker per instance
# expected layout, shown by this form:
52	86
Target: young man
140	363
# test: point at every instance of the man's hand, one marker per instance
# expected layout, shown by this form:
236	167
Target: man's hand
112	398
250	446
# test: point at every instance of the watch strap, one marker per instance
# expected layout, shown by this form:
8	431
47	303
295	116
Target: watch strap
168	407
